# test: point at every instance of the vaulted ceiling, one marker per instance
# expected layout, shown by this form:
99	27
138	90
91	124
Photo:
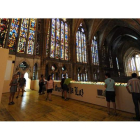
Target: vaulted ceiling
118	34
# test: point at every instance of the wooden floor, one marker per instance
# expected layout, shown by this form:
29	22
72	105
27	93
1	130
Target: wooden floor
32	107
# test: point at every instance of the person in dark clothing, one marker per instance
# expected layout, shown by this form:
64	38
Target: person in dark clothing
61	83
21	84
133	87
41	83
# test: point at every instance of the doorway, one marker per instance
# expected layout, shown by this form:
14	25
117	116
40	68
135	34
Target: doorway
28	81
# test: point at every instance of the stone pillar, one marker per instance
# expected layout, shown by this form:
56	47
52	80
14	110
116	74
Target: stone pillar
42	48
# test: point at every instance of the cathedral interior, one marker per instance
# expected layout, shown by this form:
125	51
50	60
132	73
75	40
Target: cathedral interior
84	49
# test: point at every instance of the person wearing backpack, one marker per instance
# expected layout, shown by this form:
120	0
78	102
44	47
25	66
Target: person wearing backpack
110	92
21	84
62	82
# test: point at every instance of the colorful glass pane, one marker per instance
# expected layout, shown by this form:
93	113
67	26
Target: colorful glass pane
57	50
82	47
94	51
23	35
62	40
52	49
3	30
13	34
66	42
77	52
79	47
31	39
85	50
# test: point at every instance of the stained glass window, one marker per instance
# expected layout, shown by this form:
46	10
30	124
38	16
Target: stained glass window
23	35
94	52
31	39
133	65
62	40
57	51
59	39
66	42
117	63
137	58
77	46
3	30
13	34
81	49
52	39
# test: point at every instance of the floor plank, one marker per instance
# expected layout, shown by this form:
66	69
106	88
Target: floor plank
34	107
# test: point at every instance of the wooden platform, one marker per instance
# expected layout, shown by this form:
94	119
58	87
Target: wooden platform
34	107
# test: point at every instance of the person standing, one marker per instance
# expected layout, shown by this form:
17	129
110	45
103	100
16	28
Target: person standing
49	87
110	92
61	83
44	86
66	87
134	83
41	83
21	85
13	89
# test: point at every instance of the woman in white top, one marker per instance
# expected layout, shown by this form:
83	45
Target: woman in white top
49	87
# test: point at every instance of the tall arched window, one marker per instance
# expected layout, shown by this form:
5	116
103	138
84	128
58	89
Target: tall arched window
94	51
13	34
23	35
31	39
137	58
81	48
59	39
133	65
4	24
27	37
117	63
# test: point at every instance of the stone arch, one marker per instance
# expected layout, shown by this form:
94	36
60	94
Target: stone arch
38	65
17	69
129	54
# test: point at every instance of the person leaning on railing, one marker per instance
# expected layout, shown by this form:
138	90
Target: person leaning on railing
66	87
